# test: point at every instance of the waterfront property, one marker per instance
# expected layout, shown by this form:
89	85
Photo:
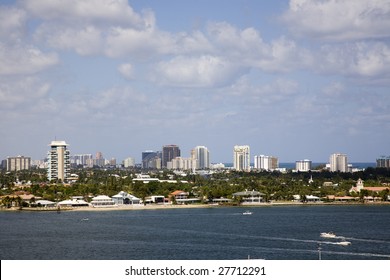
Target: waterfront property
249	197
125	198
102	201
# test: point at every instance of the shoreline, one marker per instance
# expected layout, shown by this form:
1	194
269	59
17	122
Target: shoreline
189	206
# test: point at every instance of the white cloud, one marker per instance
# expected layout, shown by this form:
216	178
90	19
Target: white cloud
360	59
203	71
339	19
24	60
22	91
12	25
114	11
127	70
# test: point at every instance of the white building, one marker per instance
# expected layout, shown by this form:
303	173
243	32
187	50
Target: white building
179	163
59	161
268	163
201	154
338	163
102	201
129	162
303	165
241	158
125	198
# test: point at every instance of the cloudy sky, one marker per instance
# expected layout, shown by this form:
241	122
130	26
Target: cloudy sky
294	79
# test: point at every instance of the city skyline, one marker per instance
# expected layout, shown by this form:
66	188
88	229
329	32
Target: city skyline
295	79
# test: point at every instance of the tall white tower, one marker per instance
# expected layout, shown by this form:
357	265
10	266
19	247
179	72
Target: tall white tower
201	154
59	161
338	162
241	158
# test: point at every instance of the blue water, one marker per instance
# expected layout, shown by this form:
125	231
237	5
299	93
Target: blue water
274	233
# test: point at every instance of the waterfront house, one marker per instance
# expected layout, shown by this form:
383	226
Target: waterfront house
125	198
249	197
103	201
73	203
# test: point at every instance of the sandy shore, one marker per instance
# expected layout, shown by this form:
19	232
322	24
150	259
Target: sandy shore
188	206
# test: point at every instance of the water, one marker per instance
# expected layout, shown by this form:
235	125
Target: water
273	233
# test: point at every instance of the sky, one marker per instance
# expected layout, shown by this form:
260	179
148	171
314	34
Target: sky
298	79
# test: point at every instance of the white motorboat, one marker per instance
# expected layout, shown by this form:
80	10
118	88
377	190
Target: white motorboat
247	213
343	243
328	235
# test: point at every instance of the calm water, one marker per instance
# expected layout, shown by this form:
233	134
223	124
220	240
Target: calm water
274	233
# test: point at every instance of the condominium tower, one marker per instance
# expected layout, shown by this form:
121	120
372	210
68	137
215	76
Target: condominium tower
241	158
201	154
338	162
18	163
59	161
303	165
268	163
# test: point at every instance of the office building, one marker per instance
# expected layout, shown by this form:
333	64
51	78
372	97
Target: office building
18	163
338	163
268	163
58	161
169	152
303	165
201	155
241	158
151	160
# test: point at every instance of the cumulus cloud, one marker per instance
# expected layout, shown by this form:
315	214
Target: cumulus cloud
115	11
22	91
12	25
339	19
127	70
203	71
24	60
360	59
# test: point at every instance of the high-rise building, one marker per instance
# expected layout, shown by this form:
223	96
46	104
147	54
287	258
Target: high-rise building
59	161
129	162
241	158
179	163
85	160
303	165
268	163
169	152
201	155
338	163
383	162
18	163
151	160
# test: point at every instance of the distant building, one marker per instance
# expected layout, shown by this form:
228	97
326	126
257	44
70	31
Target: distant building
18	163
151	160
86	160
338	163
241	158
169	152
179	163
303	165
59	161
129	162
383	162
263	162
99	160
202	157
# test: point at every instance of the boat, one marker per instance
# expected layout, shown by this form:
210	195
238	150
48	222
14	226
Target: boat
343	243
328	235
247	213
85	219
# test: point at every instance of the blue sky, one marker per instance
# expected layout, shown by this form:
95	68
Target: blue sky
293	79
